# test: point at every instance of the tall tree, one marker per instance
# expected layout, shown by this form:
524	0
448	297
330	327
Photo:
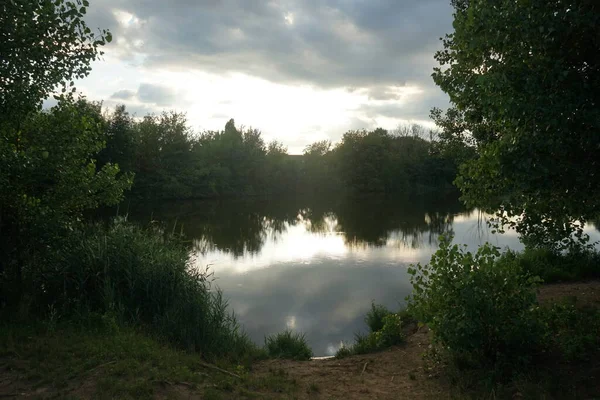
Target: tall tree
524	77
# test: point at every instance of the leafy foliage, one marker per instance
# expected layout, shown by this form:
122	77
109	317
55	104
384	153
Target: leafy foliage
44	44
51	179
375	317
386	330
47	170
524	83
478	308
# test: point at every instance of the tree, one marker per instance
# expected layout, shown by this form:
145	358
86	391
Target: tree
524	79
48	173
44	44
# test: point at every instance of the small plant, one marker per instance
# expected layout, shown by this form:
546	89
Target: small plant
375	317
344	351
390	334
481	309
288	345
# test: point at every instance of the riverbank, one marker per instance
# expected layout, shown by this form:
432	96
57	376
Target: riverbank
120	363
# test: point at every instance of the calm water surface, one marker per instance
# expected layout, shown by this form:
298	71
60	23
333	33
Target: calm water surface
315	265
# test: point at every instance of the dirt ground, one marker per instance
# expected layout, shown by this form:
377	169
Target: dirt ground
392	374
398	373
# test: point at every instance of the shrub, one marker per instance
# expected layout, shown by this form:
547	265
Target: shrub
390	334
375	316
554	266
480	308
344	351
288	345
146	279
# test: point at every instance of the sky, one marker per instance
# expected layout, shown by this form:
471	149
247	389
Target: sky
298	70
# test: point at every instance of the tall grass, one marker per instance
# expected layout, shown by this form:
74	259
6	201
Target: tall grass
145	278
288	345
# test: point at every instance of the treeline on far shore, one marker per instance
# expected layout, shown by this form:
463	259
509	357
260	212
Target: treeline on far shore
171	161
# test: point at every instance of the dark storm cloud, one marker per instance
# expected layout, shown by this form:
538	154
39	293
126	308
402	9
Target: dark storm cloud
331	43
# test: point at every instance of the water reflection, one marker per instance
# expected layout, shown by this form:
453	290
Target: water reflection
313	264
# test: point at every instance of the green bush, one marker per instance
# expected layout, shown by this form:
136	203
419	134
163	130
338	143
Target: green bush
554	266
145	278
480	308
375	317
288	345
390	334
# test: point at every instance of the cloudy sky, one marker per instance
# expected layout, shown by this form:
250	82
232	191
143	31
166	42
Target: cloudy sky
299	70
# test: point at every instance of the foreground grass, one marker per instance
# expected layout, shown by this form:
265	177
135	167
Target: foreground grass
73	362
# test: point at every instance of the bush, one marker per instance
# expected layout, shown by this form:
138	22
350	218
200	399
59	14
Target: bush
288	345
146	279
480	308
554	266
390	334
375	316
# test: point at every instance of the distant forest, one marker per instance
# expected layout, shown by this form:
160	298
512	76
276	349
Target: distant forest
171	161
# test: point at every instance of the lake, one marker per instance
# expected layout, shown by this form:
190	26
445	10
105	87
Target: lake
314	265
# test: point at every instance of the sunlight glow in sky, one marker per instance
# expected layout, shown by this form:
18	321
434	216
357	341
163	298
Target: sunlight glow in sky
298	71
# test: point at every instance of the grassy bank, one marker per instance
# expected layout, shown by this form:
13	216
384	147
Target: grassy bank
100	360
122	312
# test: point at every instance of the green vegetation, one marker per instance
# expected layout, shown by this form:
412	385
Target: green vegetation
522	129
480	308
553	267
171	161
54	265
120	299
288	345
386	329
524	96
488	326
144	277
95	358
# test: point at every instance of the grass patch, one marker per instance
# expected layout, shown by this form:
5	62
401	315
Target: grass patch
288	345
386	330
555	267
89	361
